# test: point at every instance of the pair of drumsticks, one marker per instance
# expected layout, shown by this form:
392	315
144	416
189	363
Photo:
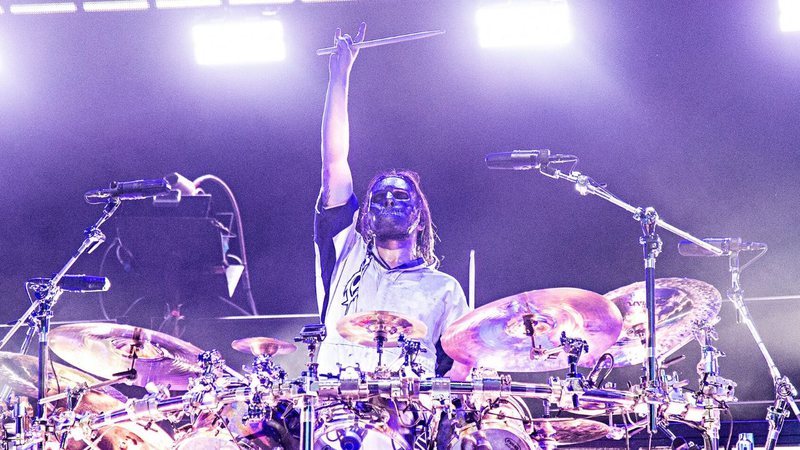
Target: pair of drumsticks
385	41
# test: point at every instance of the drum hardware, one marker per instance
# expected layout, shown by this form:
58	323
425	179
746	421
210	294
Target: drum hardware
410	348
264	375
785	392
308	384
602	368
649	220
46	294
505	333
530	322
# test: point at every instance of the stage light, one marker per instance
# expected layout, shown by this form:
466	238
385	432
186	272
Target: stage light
118	5
259	2
42	8
177	4
524	24
246	42
790	15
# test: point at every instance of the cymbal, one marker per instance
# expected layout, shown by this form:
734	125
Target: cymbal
257	346
680	304
494	335
129	435
565	431
20	374
364	328
104	349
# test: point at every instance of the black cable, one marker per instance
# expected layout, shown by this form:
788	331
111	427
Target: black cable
730	431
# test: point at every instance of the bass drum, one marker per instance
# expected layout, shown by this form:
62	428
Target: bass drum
227	431
364	425
506	425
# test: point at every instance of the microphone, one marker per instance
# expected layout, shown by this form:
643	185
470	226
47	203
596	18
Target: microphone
77	283
128	190
526	159
727	245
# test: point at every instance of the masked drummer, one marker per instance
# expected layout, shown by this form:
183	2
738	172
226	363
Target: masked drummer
379	256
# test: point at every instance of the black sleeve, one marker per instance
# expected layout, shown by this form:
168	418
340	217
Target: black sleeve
443	362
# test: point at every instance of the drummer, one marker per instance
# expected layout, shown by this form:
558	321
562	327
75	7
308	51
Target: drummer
379	256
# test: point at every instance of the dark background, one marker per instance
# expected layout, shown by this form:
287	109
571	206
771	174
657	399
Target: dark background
690	107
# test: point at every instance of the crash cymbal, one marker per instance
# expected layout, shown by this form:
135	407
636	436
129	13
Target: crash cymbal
258	346
680	304
565	431
104	349
494	335
20	374
364	328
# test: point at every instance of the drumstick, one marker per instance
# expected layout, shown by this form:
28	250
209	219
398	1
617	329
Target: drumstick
385	41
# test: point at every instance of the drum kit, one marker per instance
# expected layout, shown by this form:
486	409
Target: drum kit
193	400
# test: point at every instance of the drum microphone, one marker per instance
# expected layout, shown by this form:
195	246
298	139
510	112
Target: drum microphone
77	283
128	190
526	159
727	245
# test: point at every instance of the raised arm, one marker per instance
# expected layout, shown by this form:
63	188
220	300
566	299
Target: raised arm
337	180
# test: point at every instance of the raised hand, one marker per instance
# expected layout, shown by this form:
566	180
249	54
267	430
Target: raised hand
341	60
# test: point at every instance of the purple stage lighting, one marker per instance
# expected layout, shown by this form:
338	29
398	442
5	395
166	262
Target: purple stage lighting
539	23
790	15
245	42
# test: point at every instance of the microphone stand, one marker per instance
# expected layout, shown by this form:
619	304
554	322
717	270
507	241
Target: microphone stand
45	296
785	392
648	220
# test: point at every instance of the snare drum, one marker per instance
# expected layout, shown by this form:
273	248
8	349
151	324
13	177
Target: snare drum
504	425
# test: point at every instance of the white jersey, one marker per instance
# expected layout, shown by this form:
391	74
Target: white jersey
351	281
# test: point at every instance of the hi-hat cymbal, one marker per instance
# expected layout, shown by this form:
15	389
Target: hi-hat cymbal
494	335
104	349
365	328
258	346
681	303
565	431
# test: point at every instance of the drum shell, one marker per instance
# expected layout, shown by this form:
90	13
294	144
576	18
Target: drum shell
505	424
375	424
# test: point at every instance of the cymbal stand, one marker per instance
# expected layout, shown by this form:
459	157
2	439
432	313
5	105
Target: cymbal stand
46	294
648	220
785	392
308	384
713	389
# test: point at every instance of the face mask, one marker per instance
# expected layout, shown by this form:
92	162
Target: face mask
394	210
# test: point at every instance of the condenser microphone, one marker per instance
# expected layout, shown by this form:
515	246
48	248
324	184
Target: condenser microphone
129	190
77	283
727	245
525	159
